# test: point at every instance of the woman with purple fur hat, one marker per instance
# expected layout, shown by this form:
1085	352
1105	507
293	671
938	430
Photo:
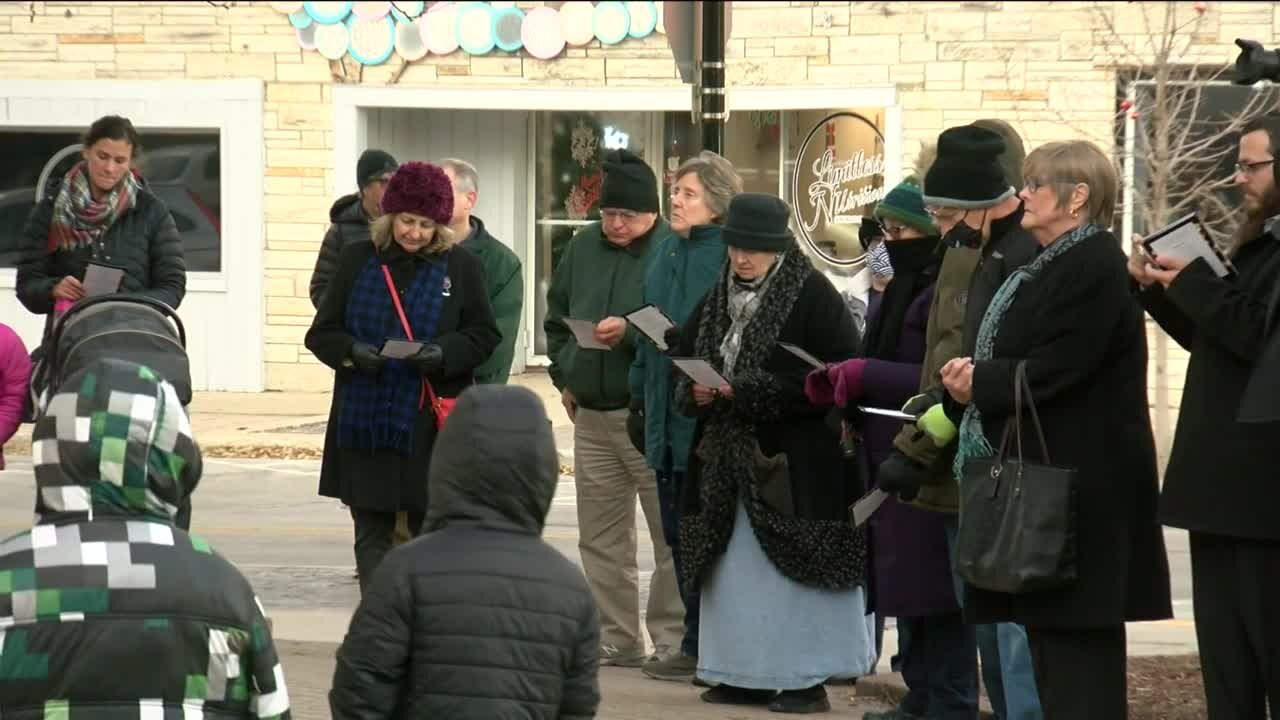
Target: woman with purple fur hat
411	283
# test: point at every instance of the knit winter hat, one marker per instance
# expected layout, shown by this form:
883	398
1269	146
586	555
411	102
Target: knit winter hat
758	221
967	172
629	183
372	165
422	189
905	203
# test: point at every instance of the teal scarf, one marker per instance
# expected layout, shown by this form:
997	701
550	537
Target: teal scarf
973	439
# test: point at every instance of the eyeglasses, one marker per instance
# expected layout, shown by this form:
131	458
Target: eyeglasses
894	229
944	215
1249	168
627	216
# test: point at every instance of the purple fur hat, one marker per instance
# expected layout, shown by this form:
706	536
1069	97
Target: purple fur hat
422	189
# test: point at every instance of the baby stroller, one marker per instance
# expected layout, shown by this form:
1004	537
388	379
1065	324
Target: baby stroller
122	327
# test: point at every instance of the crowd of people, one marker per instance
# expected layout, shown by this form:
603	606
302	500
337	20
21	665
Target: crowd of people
1022	525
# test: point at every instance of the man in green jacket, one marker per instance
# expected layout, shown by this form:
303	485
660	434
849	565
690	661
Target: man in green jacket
600	278
503	275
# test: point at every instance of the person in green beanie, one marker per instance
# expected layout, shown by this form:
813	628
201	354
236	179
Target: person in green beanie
910	565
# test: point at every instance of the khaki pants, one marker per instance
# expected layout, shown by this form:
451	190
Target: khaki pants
609	474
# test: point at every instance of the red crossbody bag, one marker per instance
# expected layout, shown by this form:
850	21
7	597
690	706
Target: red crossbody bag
441	406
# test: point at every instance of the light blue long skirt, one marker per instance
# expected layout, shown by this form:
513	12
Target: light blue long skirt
759	629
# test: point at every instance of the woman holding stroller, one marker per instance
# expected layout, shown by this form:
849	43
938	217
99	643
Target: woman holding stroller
100	212
411	283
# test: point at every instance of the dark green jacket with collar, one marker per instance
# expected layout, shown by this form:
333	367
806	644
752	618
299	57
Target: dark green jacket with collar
681	274
595	280
504	282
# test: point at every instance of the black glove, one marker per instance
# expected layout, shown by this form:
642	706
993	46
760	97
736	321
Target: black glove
672	338
427	360
635	426
902	476
365	357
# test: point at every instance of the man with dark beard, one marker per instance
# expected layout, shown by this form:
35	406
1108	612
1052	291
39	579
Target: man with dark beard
1220	483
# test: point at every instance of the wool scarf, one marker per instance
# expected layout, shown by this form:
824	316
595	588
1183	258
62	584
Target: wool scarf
973	439
78	219
744	298
380	411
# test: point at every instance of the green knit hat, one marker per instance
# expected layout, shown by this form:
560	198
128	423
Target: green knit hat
905	203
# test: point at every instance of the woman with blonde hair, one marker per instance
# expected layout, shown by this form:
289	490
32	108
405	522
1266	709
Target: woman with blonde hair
410	283
1069	320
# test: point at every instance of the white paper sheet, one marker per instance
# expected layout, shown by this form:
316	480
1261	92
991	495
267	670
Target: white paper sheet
867	506
653	323
700	372
584	331
1184	239
813	362
896	414
101	280
399	349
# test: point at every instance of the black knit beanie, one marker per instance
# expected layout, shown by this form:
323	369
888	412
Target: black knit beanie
967	172
758	221
372	165
629	183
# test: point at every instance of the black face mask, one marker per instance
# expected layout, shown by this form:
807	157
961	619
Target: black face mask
962	235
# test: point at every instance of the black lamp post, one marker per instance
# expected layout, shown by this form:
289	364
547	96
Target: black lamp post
713	111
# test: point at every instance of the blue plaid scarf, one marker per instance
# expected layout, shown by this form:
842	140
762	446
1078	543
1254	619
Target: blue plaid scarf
381	411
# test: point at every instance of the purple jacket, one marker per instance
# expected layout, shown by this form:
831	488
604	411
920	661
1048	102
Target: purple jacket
15	373
910	564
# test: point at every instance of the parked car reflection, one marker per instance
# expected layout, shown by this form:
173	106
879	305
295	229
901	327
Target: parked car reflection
186	177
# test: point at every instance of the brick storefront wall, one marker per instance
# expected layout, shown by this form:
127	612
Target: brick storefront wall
1045	67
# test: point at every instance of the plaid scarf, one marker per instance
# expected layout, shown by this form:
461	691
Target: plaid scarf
381	411
78	219
115	441
973	436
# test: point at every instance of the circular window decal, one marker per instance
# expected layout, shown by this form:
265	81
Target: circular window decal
409	42
300	20
437	28
307	37
474	28
506	28
332	41
327	12
372	41
541	33
644	18
612	22
837	180
577	22
287	8
407	10
371	10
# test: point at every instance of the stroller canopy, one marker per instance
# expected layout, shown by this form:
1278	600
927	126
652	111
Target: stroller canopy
120	327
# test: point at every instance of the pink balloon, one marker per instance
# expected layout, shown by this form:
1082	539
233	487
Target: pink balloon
541	33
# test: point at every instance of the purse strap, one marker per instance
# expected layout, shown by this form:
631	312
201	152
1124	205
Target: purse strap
427	390
1021	384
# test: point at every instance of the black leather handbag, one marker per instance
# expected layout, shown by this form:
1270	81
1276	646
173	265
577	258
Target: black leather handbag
1017	519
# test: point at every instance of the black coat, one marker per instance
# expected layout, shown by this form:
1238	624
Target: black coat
814	543
144	241
384	479
1084	341
348	224
1221	477
479	618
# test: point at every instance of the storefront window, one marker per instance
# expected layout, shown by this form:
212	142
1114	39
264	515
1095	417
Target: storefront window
182	169
827	164
568	149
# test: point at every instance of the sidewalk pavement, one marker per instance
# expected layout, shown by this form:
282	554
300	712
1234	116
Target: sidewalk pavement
290	425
